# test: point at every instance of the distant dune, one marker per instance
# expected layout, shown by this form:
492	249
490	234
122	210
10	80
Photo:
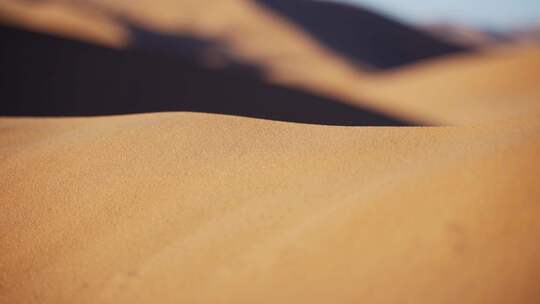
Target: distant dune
251	32
361	35
479	38
239	152
493	85
43	75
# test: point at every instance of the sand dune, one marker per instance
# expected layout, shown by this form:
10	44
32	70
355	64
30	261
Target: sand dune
360	35
495	85
249	31
478	38
297	194
253	34
203	208
480	79
45	75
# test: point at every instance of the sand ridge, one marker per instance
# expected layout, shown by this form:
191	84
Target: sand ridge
162	206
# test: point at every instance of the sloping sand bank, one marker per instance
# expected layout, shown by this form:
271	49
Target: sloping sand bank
189	208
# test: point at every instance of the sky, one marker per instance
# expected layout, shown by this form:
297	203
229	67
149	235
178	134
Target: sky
491	14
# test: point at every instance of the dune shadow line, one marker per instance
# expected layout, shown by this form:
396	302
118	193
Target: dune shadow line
44	75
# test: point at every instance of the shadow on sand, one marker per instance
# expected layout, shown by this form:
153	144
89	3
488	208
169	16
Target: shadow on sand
43	75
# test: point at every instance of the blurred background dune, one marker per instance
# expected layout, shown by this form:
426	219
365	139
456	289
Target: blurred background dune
355	52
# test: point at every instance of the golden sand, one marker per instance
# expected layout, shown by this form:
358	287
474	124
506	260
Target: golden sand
206	208
186	207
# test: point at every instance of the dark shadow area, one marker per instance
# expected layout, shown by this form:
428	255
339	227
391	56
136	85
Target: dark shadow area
360	35
187	47
44	75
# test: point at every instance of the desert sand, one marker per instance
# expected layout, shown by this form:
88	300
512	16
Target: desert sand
427	193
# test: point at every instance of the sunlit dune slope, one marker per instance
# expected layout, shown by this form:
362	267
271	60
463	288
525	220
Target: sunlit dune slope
63	18
494	85
186	207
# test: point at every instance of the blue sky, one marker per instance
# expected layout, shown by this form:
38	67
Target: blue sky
496	14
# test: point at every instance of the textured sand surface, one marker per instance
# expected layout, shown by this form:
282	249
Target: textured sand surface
194	207
184	207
